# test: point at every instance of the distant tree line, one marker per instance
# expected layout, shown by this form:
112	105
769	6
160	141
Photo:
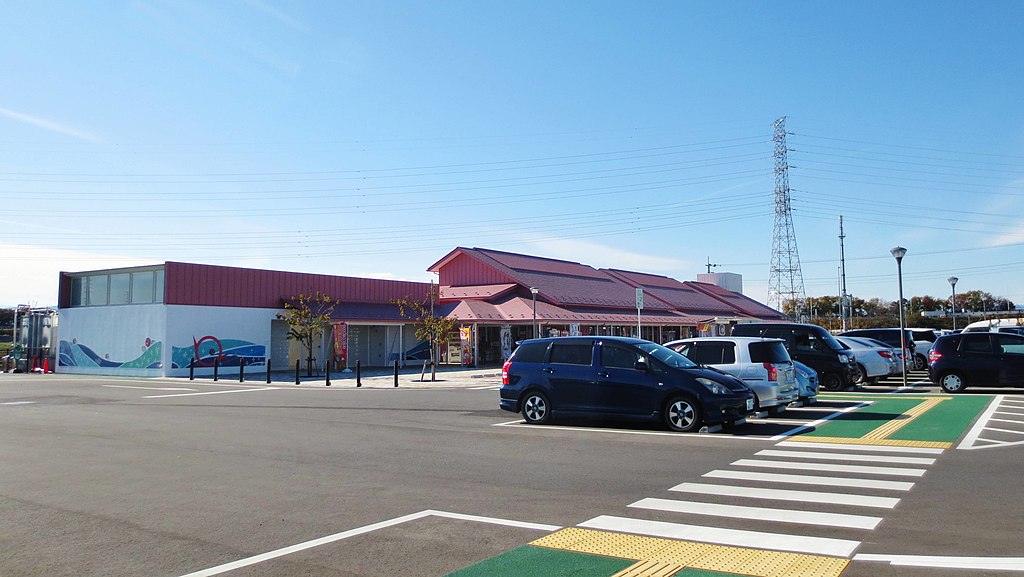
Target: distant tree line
876	312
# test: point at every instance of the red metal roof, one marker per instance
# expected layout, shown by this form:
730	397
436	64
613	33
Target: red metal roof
474	292
679	295
742	303
208	285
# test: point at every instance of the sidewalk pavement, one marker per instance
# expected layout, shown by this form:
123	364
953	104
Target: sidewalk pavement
376	378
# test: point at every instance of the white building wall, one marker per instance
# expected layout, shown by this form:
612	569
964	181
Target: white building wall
128	340
230	334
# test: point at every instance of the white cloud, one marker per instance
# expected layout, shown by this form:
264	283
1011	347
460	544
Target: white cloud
602	256
49	125
31	274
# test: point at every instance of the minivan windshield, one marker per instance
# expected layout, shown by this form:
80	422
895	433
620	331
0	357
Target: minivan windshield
667	356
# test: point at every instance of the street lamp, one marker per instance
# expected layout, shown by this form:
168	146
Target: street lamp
533	291
899	252
952	282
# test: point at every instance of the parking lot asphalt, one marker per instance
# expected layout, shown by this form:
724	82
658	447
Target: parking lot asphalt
171	478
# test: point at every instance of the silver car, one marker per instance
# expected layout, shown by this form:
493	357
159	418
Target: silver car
874	361
764	365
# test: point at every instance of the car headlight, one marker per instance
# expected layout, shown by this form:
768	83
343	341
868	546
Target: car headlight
715	387
844	359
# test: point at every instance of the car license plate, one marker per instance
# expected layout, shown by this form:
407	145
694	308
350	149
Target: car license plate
750	404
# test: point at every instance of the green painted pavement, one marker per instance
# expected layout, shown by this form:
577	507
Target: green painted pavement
946	421
943	423
530	561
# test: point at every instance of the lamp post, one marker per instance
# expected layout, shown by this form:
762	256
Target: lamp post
899	252
533	291
952	282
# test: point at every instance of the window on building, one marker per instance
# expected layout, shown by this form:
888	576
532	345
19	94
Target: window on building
77	291
158	286
97	291
120	288
142	287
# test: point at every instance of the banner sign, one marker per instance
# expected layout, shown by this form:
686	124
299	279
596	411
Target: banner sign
340	334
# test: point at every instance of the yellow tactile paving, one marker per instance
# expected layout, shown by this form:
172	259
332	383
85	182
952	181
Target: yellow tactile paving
650	569
654	554
904	419
863	441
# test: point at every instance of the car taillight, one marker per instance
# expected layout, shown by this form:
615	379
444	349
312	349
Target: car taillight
934	356
885	354
504	371
773	373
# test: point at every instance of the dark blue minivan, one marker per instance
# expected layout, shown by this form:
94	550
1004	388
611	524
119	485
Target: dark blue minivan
618	377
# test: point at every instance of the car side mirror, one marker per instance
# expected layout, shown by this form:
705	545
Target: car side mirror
641	366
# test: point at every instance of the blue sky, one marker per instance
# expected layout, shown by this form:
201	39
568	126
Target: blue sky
369	139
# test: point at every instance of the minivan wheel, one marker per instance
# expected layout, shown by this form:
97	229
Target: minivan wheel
683	415
831	382
536	409
952	382
920	362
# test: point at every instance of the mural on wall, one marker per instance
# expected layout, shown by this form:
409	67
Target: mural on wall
226	352
75	354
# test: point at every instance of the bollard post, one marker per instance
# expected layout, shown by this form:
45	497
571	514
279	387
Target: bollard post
296	372
216	366
327	371
268	371
359	373
241	370
396	372
192	369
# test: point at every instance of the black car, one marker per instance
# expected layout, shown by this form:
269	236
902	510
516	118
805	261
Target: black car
812	345
977	359
618	377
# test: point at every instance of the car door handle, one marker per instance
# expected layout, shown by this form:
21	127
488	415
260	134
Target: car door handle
603	374
548	370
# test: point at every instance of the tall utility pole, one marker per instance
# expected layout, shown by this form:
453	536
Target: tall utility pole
844	305
785	279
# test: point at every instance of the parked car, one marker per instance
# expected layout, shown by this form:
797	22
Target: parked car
618	377
873	361
811	345
1012	325
897	357
891	337
923	341
806	383
979	359
762	364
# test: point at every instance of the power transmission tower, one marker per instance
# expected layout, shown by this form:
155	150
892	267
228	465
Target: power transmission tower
785	280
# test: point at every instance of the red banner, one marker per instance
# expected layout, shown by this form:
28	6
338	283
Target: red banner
340	334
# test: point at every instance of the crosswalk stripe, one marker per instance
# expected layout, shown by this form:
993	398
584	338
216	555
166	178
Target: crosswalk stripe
848	457
894	471
811	480
760	513
788	495
852	447
720	536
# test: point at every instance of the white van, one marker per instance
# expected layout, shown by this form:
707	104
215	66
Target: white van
1014	325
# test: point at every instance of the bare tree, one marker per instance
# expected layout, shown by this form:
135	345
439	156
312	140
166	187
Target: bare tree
429	327
307	317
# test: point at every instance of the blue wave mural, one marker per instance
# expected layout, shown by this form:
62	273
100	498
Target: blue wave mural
75	354
230	352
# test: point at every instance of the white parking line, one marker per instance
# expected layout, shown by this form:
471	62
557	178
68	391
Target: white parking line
847	457
360	531
735	537
813	424
210	393
788	495
895	471
148	388
971	563
869	448
523	425
810	480
760	513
